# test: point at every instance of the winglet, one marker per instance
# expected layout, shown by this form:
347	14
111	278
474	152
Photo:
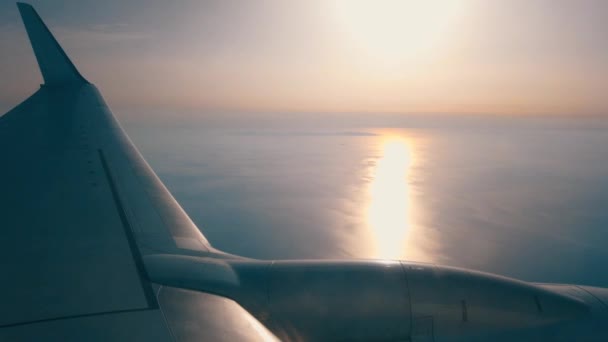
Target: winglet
56	67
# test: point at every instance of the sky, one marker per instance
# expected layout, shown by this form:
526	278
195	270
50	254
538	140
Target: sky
338	56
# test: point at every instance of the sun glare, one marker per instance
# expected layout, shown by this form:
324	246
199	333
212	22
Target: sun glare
389	199
396	31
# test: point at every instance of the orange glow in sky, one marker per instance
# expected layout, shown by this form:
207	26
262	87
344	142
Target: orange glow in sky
317	56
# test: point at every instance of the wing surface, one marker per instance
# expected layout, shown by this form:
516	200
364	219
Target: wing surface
79	207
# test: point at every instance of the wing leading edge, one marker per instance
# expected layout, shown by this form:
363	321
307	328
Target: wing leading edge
75	108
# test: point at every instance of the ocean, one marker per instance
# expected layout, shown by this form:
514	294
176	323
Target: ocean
521	197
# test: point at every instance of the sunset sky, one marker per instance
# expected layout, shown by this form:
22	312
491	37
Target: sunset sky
389	56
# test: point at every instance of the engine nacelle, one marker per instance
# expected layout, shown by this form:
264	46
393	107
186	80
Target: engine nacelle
375	300
451	303
358	300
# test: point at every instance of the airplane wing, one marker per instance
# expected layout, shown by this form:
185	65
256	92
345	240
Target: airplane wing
80	207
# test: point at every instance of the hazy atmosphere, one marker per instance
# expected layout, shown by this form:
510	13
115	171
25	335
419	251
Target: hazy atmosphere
195	57
466	132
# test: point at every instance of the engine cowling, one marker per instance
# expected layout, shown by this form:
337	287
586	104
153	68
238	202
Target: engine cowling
375	300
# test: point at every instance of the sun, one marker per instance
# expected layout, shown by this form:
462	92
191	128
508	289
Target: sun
396	31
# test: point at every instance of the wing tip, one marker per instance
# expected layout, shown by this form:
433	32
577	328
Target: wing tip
24	5
55	66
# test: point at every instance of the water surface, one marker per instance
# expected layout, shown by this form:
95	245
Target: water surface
523	198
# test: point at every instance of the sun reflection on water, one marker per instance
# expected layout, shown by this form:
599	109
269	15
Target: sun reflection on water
389	210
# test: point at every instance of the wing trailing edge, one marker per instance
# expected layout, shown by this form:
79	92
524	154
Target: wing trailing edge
55	66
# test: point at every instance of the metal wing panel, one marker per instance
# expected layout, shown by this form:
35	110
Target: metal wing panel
158	223
144	325
186	316
78	206
63	248
196	316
